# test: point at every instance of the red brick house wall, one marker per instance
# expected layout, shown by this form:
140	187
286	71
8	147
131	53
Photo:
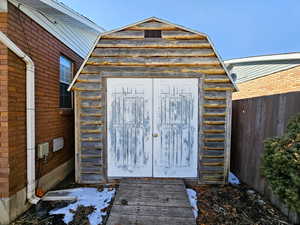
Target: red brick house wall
45	50
276	83
4	167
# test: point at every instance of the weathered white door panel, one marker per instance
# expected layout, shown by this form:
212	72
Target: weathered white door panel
175	127
129	127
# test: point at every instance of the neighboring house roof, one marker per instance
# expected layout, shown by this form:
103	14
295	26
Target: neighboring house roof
71	28
250	68
161	21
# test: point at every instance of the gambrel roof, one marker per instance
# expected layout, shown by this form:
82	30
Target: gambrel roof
168	25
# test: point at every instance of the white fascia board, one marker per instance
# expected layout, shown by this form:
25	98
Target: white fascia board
73	14
265	58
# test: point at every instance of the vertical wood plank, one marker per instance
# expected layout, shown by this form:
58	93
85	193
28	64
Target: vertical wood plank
228	135
281	114
259	125
104	150
200	125
77	137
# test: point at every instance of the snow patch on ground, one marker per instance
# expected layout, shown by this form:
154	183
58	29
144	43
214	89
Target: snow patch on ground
232	179
193	200
87	197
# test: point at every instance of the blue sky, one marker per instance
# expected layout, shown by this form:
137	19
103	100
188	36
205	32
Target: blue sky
238	28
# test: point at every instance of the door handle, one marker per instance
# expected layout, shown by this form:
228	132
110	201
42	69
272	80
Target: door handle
155	135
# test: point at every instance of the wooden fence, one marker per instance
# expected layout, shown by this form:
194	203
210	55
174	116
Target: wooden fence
254	120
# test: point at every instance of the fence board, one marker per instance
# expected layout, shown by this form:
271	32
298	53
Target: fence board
254	120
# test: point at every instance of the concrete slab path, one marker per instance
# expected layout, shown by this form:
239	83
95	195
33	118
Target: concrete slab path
151	202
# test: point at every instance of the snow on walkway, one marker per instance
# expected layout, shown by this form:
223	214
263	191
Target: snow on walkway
87	197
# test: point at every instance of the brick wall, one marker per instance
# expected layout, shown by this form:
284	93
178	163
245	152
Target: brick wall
45	51
276	83
4	167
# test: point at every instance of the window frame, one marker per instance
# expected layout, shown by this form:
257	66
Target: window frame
64	82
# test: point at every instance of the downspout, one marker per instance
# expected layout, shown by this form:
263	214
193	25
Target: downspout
30	116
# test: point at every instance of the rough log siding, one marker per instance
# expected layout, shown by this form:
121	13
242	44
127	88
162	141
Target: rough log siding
178	53
91	128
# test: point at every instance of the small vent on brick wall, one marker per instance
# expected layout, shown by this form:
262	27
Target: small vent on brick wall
152	33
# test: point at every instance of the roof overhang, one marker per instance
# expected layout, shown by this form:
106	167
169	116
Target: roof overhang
61	11
264	58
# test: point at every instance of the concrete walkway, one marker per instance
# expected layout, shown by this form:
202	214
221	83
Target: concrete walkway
151	202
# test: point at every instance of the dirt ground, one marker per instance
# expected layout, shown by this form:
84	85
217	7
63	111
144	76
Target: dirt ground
218	205
235	205
38	215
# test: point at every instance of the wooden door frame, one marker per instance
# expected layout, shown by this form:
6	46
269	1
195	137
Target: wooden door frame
200	78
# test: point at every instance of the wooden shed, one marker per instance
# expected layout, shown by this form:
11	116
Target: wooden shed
152	99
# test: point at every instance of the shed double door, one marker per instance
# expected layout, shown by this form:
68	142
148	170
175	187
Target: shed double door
152	127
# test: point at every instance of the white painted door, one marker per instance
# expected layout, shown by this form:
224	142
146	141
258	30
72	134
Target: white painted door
152	127
129	118
175	127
